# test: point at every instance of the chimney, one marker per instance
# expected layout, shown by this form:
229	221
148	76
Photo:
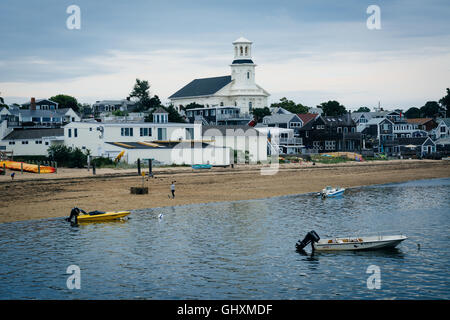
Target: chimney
33	104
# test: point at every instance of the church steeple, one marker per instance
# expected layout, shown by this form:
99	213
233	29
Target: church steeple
242	67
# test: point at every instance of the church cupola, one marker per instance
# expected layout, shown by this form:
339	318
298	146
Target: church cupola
242	67
160	116
242	51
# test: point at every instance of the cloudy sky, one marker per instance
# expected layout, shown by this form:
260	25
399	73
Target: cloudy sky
309	51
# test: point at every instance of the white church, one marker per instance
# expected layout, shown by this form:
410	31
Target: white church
239	89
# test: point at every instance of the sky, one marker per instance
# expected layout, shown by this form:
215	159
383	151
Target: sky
308	51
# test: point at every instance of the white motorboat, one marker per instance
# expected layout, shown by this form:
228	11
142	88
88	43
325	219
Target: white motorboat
350	243
331	192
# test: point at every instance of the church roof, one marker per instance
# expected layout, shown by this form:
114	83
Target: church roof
202	87
242	40
241	61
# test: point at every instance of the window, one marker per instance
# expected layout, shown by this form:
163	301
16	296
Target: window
75	132
12	142
353	129
330	145
442	129
250	106
345	130
339	129
90	129
70	133
189	133
38	141
385	126
295	124
126	132
24	142
46	143
145	132
213	112
248	75
162	134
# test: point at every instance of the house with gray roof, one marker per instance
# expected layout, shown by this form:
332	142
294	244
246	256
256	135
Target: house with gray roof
289	121
32	142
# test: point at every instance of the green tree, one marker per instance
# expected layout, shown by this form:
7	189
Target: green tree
431	109
332	108
120	113
66	101
445	102
412	113
141	92
290	106
260	113
2	103
67	157
173	116
363	109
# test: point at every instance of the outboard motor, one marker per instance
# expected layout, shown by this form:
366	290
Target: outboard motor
75	212
310	236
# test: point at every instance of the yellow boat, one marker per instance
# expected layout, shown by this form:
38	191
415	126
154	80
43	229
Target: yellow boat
102	216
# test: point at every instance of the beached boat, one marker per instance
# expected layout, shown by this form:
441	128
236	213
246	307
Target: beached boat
101	216
201	166
350	243
34	168
331	192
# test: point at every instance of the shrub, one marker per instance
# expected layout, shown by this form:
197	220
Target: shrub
67	156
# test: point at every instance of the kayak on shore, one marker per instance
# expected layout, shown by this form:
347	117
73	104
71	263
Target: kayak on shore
27	167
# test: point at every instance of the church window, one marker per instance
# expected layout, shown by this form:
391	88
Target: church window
250	106
241	51
221	104
248	75
246	50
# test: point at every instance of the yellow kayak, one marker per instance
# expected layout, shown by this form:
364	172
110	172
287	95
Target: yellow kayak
102	216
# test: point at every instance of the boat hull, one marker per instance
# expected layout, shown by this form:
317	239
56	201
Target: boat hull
363	245
201	166
107	216
34	168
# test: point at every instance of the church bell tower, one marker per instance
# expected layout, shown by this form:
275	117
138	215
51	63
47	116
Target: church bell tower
242	67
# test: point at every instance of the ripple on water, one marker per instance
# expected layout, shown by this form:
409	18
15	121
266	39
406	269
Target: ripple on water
239	250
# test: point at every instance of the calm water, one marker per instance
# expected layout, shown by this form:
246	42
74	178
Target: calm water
239	250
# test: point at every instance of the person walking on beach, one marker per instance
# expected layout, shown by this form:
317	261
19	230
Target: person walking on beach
12	175
172	189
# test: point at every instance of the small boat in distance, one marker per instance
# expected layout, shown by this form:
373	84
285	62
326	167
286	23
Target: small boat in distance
331	192
350	243
201	166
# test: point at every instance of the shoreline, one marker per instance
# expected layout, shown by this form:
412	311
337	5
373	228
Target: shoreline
36	197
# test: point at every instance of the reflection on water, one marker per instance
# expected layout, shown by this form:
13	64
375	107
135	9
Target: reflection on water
239	250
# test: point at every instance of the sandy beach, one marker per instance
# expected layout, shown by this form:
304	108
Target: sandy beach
32	196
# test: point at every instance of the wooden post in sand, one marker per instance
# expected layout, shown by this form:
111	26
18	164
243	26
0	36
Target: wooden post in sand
39	167
139	166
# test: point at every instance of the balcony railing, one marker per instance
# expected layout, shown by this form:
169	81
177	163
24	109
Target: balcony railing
291	141
227	116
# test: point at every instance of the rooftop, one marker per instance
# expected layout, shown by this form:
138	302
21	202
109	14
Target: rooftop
202	87
21	134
